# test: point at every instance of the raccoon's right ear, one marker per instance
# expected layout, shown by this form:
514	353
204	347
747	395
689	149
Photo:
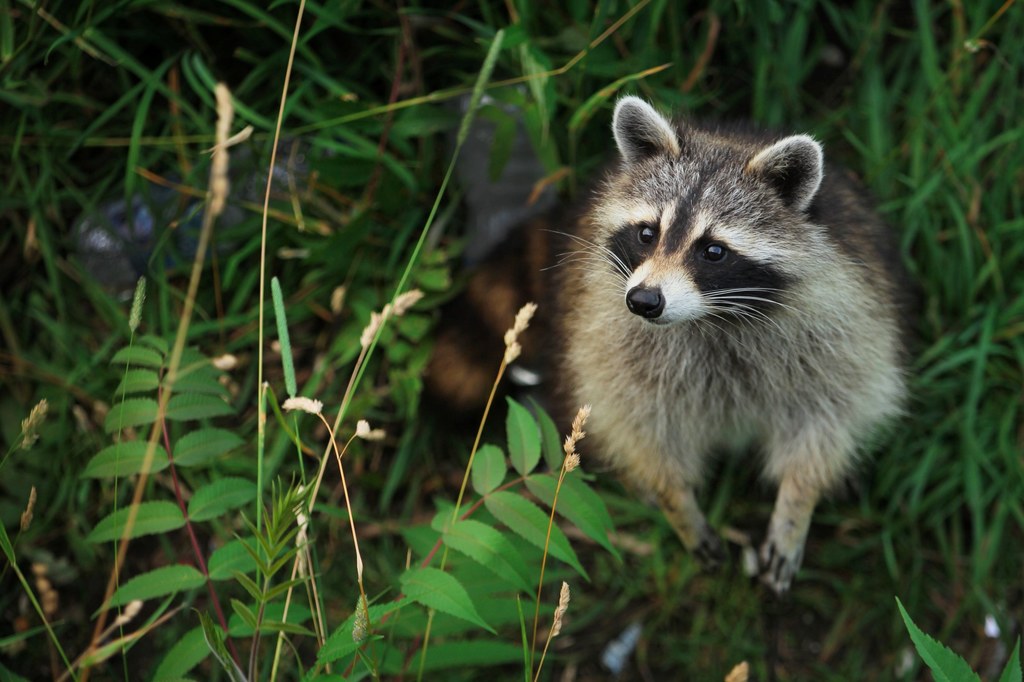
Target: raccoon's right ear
641	132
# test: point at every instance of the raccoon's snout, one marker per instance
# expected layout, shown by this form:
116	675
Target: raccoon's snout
645	302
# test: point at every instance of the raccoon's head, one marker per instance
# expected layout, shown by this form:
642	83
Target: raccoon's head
702	222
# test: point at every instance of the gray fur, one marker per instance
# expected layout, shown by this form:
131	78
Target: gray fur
805	378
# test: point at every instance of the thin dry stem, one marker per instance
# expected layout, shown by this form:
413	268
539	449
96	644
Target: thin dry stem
173	365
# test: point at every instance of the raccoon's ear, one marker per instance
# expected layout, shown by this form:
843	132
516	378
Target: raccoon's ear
794	166
641	132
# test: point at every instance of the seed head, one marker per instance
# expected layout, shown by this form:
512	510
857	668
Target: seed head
31	424
26	516
361	624
563	606
304	404
364	431
512	347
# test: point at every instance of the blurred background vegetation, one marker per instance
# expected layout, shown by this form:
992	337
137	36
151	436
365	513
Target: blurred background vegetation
106	109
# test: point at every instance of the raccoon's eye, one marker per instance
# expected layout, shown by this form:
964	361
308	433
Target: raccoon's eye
646	234
714	252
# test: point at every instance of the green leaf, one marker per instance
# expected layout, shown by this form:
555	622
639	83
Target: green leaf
578	503
282	336
491	549
230	558
244	612
473	654
523	438
340	643
1012	671
153	517
185	406
188	652
946	666
204	445
489	468
213	499
551	440
157	583
156	342
438	590
138	381
272	613
529	521
214	637
124	459
137	355
131	412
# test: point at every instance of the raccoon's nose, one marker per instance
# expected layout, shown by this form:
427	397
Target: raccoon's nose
645	302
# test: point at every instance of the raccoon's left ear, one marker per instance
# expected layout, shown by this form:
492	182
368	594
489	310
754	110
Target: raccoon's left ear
794	166
641	132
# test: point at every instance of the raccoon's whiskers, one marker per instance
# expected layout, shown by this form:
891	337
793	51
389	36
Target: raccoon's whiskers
600	250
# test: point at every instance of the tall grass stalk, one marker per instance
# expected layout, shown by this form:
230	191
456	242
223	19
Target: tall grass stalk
570	462
215	204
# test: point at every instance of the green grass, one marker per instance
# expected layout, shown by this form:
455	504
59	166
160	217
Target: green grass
921	99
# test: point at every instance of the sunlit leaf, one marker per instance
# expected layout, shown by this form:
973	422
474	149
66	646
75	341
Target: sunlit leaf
523	438
529	521
489	468
438	590
491	549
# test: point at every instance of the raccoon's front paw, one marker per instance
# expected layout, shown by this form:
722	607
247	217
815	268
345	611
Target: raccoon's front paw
710	551
778	567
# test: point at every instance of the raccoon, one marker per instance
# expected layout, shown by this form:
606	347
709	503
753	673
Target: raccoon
724	290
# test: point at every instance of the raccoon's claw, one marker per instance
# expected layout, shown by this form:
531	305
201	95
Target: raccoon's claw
779	568
709	552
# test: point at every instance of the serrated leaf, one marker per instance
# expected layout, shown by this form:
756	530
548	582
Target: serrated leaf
204	445
1012	671
438	590
946	666
213	499
131	412
153	517
230	558
138	381
137	355
124	459
200	377
523	438
491	549
185	406
188	652
529	522
157	583
489	469
155	342
550	439
578	503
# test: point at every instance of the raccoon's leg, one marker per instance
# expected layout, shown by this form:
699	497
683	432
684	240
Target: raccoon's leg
679	504
783	550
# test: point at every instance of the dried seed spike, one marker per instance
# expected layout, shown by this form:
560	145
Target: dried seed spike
26	516
407	300
30	424
563	606
522	321
371	329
